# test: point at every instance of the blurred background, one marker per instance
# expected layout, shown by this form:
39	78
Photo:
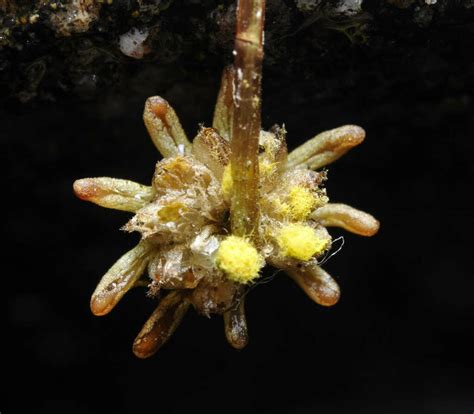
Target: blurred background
401	338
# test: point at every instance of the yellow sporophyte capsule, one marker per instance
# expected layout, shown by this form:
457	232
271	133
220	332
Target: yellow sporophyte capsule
300	241
239	259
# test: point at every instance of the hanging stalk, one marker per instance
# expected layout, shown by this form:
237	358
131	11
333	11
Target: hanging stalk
246	119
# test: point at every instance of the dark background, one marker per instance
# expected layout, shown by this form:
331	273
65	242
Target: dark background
401	338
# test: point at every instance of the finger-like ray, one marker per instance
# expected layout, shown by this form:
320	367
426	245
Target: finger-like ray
161	325
235	325
120	278
326	147
114	193
164	127
223	111
347	217
316	283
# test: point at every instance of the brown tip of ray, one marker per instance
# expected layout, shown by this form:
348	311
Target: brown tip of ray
370	228
317	284
158	106
354	133
101	305
344	138
327	294
164	127
161	325
374	230
85	189
235	325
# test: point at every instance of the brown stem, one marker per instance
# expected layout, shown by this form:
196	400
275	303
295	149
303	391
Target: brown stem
246	120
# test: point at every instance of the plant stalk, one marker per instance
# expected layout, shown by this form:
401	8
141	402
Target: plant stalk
248	53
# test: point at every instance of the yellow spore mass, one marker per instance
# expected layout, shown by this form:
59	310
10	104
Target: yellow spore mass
301	202
239	259
300	241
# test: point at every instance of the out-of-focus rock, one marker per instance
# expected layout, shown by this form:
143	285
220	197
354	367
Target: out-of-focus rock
132	43
61	49
74	17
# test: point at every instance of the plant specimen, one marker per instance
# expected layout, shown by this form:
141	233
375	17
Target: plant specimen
220	208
